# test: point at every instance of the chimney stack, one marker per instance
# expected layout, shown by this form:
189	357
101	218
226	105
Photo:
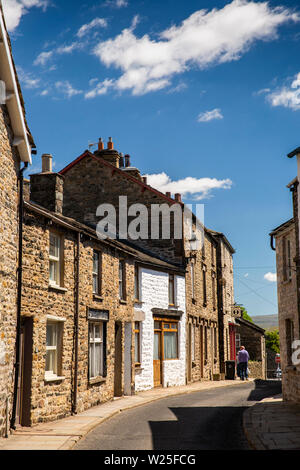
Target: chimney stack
127	160
145	179
46	163
168	194
121	161
178	197
100	144
110	144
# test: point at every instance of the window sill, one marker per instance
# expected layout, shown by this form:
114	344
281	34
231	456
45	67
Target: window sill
97	380
123	302
138	367
53	378
97	297
286	282
137	301
57	288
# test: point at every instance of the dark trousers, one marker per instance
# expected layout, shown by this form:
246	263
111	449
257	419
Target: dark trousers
243	366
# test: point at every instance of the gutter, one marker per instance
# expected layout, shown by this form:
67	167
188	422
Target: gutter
19	296
76	321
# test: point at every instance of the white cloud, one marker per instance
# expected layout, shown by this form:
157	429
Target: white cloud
27	79
97	22
15	9
210	115
196	188
271	277
287	96
116	3
100	89
204	39
43	58
67	89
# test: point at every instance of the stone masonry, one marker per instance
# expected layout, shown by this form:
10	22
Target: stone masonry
9	166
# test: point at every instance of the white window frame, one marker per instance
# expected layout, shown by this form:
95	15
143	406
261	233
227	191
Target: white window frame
57	260
59	325
96	274
92	355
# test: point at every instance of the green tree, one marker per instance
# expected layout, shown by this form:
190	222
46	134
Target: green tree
272	340
245	315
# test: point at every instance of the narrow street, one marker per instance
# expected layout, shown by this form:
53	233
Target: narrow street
206	420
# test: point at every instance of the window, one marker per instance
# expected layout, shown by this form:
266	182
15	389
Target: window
171	289
237	341
122	280
193	279
53	349
204	285
205	344
289	335
215	344
213	281
96	349
137	283
96	273
193	328
286	259
137	343
169	338
55	260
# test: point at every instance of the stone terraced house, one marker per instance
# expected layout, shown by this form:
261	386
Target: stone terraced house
285	241
210	324
16	143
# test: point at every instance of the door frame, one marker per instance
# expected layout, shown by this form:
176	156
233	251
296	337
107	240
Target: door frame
23	417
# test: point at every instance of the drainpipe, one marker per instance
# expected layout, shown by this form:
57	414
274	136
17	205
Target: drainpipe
76	321
19	296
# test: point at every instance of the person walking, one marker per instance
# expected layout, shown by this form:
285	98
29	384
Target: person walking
243	358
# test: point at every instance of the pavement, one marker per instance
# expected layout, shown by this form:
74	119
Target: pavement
270	424
273	424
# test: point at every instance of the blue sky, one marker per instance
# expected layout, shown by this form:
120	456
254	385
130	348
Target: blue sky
204	96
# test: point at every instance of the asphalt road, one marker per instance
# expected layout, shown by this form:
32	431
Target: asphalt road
205	420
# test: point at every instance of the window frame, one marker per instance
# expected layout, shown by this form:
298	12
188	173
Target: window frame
122	280
163	329
59	260
204	286
137	286
102	341
137	331
98	273
58	348
171	283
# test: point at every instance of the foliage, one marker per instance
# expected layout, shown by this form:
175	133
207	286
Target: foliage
245	315
272	340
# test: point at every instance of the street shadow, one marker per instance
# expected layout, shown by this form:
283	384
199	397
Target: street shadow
264	389
200	428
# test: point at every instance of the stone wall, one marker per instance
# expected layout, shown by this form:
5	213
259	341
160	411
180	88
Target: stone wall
51	400
105	184
9	166
256	370
288	311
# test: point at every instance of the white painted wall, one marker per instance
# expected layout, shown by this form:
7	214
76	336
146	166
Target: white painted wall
154	290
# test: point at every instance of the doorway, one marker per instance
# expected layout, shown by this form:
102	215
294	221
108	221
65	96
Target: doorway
23	415
118	360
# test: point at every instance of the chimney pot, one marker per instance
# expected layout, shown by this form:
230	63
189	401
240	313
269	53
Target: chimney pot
127	160
46	163
100	144
121	161
178	197
145	179
110	144
168	194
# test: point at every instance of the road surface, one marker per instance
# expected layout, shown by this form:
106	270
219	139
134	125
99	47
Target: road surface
205	420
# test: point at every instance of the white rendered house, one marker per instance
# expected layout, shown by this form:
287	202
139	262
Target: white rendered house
160	328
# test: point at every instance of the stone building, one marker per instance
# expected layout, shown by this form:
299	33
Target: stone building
111	178
16	143
252	337
284	240
87	305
